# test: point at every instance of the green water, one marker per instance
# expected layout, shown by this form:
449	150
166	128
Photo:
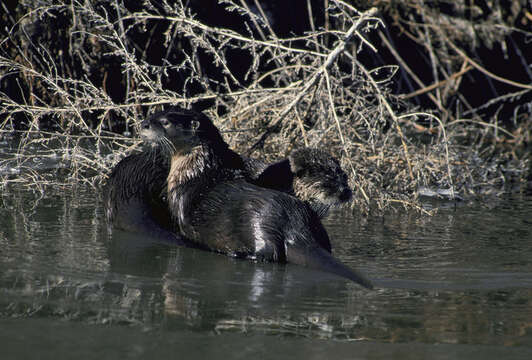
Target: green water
455	285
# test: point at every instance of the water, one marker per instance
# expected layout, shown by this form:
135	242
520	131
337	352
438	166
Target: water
455	285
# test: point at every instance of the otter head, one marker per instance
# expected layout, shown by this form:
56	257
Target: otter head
179	130
318	177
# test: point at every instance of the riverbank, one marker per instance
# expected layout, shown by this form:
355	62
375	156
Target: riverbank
78	80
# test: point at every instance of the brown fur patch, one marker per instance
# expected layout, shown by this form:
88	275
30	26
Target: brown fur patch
182	169
307	191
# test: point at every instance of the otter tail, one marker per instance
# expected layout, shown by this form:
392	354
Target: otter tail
317	258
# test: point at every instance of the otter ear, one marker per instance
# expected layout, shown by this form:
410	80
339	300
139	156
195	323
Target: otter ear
299	159
194	125
296	166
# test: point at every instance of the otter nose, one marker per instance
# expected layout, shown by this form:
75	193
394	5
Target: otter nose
346	194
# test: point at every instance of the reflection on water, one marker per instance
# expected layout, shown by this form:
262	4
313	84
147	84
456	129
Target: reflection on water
463	276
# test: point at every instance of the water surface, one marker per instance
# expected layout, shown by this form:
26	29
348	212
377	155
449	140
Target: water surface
455	285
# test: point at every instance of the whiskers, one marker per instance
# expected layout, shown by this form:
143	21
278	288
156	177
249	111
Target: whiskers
165	145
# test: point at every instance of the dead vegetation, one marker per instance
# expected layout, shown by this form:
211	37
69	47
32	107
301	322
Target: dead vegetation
79	76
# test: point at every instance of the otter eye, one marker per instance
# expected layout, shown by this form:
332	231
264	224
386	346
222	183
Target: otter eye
164	122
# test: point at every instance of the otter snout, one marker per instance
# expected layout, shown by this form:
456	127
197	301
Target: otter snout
148	132
345	195
160	126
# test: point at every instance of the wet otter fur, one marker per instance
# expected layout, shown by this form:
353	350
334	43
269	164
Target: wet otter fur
214	206
134	198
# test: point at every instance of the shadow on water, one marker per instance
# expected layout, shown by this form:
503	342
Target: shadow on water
461	279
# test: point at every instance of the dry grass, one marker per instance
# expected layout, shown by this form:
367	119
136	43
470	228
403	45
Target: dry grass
312	90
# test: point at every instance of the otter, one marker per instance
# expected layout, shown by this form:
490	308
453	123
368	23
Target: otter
216	208
135	192
312	175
